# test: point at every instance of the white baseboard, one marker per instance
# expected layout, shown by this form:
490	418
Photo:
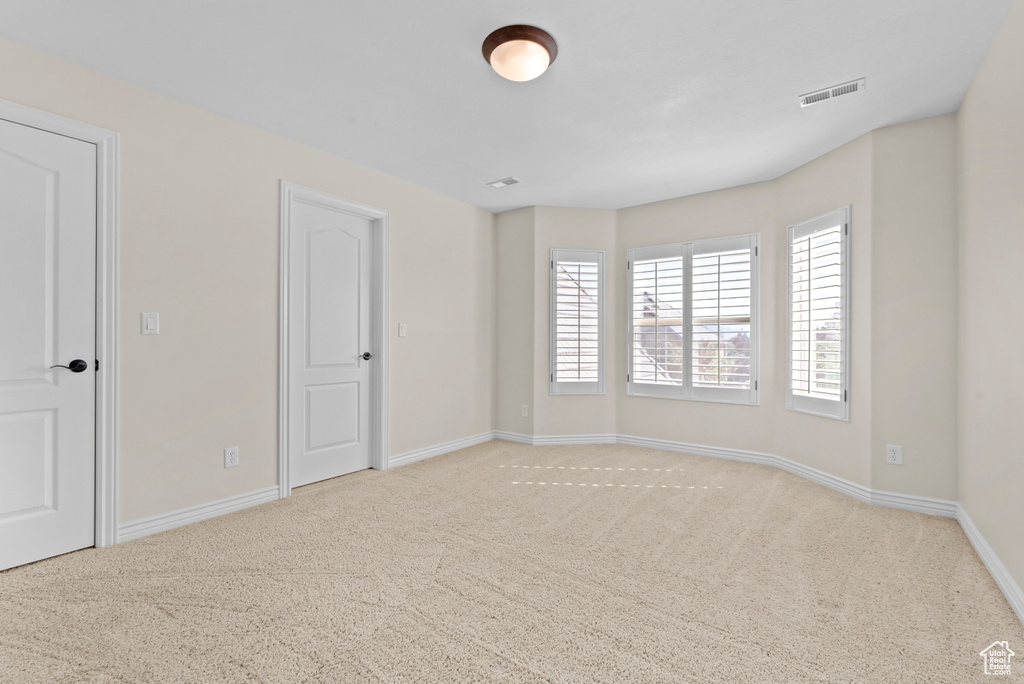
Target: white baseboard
907	502
697	449
168	521
513	437
839	484
1011	590
918	504
438	449
555	440
541	440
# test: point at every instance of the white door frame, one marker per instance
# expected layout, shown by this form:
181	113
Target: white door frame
106	299
378	218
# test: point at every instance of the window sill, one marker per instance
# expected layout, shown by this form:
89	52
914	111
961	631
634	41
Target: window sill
632	392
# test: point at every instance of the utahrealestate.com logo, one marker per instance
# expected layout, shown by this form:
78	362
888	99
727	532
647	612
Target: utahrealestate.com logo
997	658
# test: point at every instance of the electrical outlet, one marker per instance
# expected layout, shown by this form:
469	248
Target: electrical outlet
526	411
894	454
231	457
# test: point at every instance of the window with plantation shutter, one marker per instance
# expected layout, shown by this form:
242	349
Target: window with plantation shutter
657	321
818	348
693	320
722	330
577	321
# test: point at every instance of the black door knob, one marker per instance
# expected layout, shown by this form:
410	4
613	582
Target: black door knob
367	356
76	366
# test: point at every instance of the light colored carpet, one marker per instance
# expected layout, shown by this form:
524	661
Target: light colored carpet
673	568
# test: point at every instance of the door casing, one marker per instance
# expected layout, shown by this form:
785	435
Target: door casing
106	299
378	325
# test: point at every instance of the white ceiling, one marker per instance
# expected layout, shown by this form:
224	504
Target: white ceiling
648	99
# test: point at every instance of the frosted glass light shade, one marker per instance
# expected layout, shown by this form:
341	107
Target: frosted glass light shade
520	60
520	52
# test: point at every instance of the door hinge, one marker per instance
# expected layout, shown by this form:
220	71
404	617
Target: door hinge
627	377
552	377
97	365
755	385
629	265
755	251
552	265
846	229
844	395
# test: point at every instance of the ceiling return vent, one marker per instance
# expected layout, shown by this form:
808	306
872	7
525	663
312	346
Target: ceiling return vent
504	182
831	93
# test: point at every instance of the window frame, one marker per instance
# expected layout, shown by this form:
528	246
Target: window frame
824	408
686	391
566	388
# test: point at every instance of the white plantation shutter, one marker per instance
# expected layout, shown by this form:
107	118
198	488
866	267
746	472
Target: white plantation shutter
657	319
723	344
577	321
818	316
693	320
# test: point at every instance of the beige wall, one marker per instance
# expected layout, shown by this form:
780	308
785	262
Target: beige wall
841	177
991	367
515	337
199	245
525	238
838	178
913	307
558	227
747	209
900	182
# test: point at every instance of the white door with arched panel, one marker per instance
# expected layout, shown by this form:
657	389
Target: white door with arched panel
330	356
47	320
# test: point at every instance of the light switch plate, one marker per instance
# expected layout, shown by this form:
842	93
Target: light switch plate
403	330
150	324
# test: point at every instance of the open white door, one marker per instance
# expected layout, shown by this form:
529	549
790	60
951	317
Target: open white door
47	317
331	356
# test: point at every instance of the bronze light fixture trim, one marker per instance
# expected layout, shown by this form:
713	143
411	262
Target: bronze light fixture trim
520	52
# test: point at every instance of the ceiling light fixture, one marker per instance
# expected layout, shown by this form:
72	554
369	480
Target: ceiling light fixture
520	52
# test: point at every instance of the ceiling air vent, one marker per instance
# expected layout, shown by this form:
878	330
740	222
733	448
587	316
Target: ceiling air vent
511	180
833	92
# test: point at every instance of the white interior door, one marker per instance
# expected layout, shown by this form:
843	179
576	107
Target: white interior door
47	317
329	313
